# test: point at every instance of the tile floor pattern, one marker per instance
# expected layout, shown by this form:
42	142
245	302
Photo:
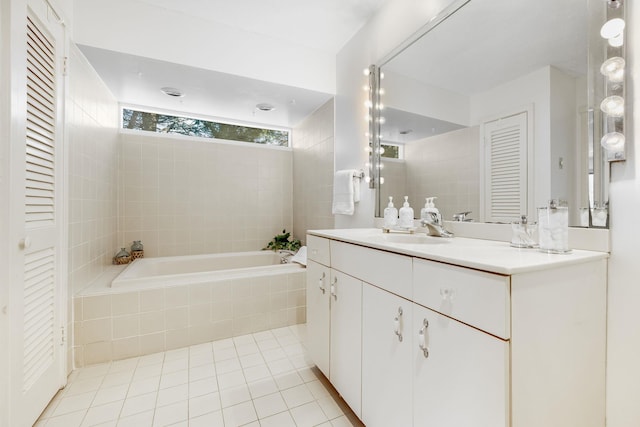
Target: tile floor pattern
263	379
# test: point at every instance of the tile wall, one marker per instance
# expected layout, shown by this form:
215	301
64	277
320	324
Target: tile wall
92	130
313	172
446	166
117	325
184	196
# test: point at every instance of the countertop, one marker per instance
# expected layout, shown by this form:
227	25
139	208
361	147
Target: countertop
486	255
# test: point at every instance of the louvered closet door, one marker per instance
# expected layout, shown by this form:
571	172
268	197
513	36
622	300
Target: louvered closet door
505	168
37	346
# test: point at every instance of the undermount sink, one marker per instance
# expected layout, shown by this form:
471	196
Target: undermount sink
417	239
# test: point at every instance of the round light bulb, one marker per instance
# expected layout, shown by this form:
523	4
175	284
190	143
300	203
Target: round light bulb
368	104
612	28
613	106
366	72
381	180
382	120
381	150
613	69
613	141
616	41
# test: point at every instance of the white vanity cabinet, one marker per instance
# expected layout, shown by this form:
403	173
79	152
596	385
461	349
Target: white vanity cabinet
460	374
318	314
463	333
387	358
334	322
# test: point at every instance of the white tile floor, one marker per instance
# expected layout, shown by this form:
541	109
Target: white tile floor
263	379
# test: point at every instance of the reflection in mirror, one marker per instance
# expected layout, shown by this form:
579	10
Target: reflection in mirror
488	111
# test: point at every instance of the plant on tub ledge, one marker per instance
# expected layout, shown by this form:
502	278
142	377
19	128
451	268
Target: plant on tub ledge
283	242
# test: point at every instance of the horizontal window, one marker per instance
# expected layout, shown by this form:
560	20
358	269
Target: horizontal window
166	123
392	151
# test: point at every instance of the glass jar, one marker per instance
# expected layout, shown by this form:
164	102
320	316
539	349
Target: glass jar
137	246
553	227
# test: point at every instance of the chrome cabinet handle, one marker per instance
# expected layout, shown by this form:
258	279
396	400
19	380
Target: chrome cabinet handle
396	324
422	342
334	282
321	284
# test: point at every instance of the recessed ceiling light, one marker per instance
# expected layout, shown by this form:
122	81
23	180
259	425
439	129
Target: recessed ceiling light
265	107
172	91
406	132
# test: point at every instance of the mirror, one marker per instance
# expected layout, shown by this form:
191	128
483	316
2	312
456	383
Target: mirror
488	110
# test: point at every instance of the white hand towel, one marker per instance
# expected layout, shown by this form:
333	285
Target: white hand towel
300	257
343	192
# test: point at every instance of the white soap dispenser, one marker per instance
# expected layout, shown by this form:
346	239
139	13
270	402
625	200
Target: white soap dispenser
430	208
428	203
390	215
406	214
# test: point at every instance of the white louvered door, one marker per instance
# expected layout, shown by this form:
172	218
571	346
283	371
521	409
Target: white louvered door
37	345
505	168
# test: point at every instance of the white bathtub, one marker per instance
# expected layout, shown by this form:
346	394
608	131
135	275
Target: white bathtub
191	269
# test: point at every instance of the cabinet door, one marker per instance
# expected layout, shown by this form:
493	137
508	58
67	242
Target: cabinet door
386	358
318	317
346	338
462	378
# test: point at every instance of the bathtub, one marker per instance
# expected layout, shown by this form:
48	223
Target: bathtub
190	269
160	304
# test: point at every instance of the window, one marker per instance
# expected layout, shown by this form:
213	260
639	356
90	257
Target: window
166	123
392	151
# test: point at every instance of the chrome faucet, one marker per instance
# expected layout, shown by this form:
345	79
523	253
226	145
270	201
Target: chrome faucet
433	223
462	217
285	255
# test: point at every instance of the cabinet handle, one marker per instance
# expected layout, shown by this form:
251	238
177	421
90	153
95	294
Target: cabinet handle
321	284
334	282
396	324
446	294
422	339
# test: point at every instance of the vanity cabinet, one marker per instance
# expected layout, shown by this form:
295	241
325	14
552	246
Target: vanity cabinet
447	341
461	376
387	358
334	323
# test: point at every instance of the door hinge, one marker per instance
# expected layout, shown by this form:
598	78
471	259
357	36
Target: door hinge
63	337
65	63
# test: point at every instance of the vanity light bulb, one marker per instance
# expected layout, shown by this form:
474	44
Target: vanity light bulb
381	150
612	28
366	72
381	106
368	149
616	41
368	104
365	88
613	141
367	179
613	69
381	91
381	75
613	106
381	180
367	118
380	166
382	120
367	165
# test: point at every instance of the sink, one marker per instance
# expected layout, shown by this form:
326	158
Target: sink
416	239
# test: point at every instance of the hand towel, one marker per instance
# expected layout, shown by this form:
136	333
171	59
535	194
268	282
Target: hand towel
343	192
300	257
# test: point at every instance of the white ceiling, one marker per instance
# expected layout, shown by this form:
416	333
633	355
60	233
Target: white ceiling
136	80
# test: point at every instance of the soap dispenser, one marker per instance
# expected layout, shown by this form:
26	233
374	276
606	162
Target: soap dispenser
428	204
430	210
406	214
390	215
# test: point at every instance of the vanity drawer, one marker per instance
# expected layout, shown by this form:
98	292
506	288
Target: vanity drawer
318	250
389	271
474	297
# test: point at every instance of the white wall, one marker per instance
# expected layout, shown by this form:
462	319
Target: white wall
212	46
623	373
394	23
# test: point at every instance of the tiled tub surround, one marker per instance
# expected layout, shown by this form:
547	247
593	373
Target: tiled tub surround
117	323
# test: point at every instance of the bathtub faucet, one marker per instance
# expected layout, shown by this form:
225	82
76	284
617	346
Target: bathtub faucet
285	255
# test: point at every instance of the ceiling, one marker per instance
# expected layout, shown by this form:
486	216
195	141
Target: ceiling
323	26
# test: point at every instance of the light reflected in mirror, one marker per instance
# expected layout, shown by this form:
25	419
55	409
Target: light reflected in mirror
489	112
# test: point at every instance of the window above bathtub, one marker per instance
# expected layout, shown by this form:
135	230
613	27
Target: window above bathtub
168	123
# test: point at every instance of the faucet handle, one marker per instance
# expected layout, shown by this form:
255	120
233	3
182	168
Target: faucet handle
461	216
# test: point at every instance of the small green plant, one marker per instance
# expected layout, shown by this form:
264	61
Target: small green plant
283	242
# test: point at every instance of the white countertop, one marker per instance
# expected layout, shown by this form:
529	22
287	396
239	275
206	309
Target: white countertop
487	255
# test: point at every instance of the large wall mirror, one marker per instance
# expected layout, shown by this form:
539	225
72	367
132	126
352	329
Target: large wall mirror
489	109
